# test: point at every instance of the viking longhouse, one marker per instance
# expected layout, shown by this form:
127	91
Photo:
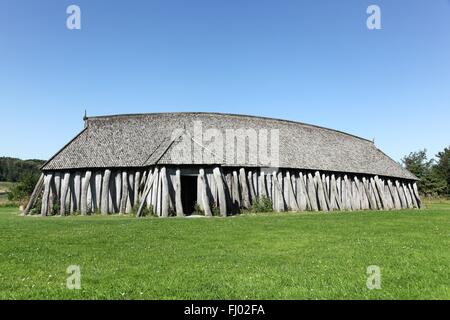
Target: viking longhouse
177	164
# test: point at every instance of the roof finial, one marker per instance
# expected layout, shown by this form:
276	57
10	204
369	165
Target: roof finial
85	115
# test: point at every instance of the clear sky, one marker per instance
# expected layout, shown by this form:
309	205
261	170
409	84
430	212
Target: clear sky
312	61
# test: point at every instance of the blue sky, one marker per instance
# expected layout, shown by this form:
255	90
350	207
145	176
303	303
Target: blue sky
311	61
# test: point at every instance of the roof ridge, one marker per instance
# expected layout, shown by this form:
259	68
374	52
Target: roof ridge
124	115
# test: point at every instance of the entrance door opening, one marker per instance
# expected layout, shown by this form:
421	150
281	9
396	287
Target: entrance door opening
188	194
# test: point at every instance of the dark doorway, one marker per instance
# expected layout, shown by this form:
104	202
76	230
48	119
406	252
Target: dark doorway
188	194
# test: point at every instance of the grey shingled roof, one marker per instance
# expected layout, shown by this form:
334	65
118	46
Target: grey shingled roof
146	139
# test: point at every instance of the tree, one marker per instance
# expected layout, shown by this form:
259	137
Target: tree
24	188
417	163
11	169
431	182
443	167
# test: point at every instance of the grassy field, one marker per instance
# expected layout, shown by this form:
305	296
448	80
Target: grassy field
267	256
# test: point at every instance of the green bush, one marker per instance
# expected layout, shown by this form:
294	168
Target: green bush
215	210
21	191
147	211
262	204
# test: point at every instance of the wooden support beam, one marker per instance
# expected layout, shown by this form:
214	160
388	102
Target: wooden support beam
370	195
346	193
177	187
229	192
251	187
45	197
236	194
89	197
356	195
84	190
155	190
130	193
380	191
401	194
395	197
302	196
277	181
292	198
262	185
35	195
164	194
147	190
221	191
335	202
320	192
137	184
104	205
77	191
312	193
124	196
98	189
256	183
117	196
408	195
417	195
204	196
244	189
57	182
326	189
64	193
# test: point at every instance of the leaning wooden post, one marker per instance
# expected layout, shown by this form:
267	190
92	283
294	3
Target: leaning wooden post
124	197
137	183
105	192
77	191
312	193
251	187
302	196
118	190
320	192
334	194
98	190
165	194
45	196
84	189
236	196
417	195
292	198
178	202
64	191
380	189
147	189
130	200
155	189
244	189
221	191
204	195
262	185
35	195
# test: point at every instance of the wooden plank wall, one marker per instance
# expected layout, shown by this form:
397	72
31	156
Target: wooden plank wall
224	190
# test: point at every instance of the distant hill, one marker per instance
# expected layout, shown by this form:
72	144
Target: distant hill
11	169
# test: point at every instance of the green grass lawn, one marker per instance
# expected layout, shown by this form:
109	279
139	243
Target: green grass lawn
267	256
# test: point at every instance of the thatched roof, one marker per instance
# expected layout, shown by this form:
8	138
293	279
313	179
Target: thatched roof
146	139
